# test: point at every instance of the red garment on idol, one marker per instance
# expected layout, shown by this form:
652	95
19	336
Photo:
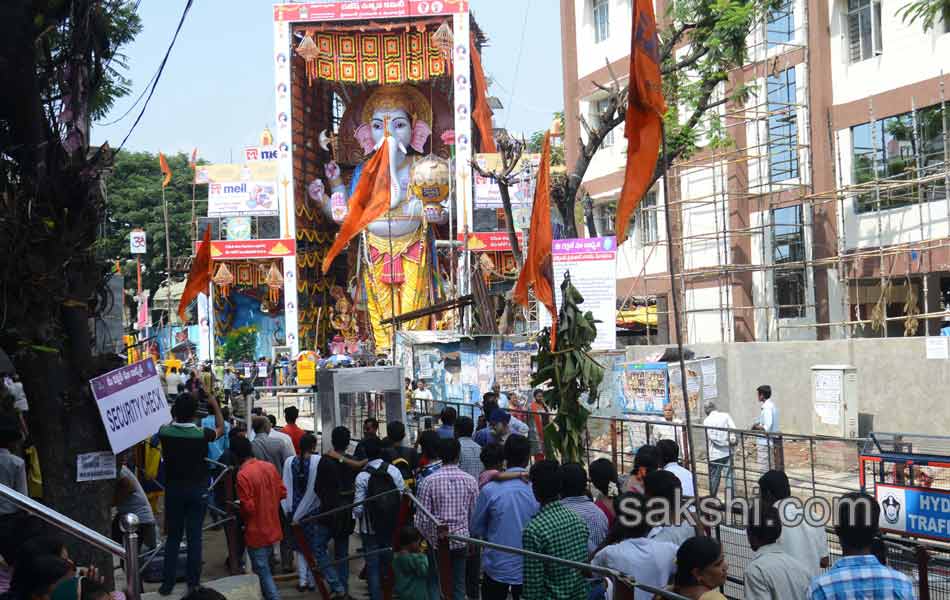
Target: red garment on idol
393	273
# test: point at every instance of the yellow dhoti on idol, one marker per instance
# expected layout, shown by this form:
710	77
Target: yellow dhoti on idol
398	272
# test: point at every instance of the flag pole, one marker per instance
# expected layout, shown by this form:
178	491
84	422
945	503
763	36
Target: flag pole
194	218
168	266
687	440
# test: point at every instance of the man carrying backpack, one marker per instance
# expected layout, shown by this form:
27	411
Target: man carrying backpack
375	518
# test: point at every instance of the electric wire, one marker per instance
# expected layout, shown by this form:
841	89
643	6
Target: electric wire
158	74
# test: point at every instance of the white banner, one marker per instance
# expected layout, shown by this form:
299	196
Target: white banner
592	263
94	466
242	198
132	403
137	241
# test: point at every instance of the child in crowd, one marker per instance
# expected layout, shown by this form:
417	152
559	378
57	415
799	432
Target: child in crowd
493	458
410	566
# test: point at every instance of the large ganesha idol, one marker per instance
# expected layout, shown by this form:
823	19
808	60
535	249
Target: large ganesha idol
396	242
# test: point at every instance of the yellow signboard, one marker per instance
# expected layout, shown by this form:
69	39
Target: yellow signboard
262	170
306	372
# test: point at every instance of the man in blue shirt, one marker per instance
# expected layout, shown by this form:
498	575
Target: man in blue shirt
447	430
858	574
501	513
485	435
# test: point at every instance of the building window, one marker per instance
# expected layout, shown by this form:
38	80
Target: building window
780	25
782	126
864	29
788	248
892	151
646	216
643	219
601	20
600	107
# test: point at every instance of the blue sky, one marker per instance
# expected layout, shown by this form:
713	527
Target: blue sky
216	91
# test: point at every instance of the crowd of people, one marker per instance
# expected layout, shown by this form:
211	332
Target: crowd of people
285	505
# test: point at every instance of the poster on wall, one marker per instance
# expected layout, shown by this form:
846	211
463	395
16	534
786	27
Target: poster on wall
513	371
592	264
644	387
693	388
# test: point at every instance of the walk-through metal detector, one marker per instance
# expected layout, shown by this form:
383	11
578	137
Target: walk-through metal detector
347	396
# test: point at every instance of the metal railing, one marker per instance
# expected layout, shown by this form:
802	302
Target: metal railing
624	586
127	552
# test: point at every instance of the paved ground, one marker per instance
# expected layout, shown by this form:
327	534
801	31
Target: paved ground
215	552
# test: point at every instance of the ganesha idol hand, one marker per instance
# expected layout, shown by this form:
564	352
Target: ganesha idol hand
332	171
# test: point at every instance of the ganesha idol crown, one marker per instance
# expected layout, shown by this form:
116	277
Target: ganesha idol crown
429	182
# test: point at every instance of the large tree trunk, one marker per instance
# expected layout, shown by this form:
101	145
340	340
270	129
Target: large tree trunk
65	422
50	276
510	223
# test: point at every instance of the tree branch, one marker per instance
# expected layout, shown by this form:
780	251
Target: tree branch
687	62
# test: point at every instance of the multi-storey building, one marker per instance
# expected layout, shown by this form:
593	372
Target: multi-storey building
827	215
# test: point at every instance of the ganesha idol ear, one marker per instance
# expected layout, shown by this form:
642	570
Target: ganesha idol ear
364	136
420	133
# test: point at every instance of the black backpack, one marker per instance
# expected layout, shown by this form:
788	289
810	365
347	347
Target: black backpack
382	511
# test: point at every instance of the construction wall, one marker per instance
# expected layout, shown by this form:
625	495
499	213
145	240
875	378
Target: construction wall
903	390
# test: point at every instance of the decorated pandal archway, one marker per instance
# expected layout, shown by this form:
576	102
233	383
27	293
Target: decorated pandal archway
355	85
248	293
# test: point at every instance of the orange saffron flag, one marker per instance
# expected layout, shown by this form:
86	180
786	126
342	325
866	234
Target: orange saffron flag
165	170
538	269
643	126
370	200
482	113
200	275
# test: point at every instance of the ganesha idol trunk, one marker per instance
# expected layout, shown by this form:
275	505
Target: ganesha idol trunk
398	275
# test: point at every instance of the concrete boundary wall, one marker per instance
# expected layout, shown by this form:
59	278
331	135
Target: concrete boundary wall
897	384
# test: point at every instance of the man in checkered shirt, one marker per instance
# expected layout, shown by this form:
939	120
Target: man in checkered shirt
449	494
858	575
555	531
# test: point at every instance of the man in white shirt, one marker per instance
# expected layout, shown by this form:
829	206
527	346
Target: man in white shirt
422	398
172	381
669	458
503	402
377	563
767	422
639	555
664	486
280	435
772	574
719	447
806	543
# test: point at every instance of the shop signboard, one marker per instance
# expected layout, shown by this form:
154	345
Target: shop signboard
261	170
242	198
245	249
494	241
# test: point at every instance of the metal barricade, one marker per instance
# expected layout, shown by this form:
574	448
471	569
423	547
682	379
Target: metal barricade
127	552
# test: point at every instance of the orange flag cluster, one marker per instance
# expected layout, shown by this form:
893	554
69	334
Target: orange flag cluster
538	269
645	108
370	200
199	276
